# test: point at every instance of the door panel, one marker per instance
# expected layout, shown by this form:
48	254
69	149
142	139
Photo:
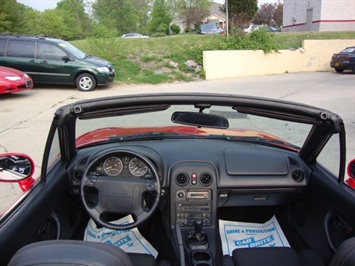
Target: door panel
325	218
38	216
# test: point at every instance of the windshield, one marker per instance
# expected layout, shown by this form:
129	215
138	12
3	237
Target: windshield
73	50
241	126
208	27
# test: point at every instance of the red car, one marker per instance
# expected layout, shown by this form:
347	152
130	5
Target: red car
13	80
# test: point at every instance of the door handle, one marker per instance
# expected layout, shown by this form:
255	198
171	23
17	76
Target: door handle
32	61
44	62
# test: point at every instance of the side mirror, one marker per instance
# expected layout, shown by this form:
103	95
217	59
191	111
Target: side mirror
17	168
351	174
66	58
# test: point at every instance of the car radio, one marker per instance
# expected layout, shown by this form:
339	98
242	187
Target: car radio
193	205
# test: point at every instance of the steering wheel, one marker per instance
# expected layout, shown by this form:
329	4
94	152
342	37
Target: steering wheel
103	195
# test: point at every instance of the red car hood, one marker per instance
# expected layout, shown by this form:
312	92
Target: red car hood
103	134
5	71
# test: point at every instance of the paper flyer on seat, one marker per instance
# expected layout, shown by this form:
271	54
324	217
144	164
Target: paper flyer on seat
131	240
251	235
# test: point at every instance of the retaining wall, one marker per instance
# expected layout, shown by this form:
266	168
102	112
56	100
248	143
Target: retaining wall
314	55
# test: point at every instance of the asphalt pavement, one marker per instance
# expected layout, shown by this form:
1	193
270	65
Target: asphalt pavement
25	117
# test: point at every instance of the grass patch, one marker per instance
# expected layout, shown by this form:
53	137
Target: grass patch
146	60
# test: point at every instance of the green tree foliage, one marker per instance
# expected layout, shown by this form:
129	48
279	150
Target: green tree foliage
73	13
160	17
241	12
122	15
52	24
11	19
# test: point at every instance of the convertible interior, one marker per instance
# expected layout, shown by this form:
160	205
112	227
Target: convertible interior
181	165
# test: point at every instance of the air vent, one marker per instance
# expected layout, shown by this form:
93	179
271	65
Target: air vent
182	179
206	179
293	162
297	175
83	161
78	174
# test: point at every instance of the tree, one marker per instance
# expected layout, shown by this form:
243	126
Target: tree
11	19
194	11
160	17
278	16
265	14
241	11
75	17
122	15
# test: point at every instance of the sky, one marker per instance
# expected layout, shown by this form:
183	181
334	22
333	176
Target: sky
46	4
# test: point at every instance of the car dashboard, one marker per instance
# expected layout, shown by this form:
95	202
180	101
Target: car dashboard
199	176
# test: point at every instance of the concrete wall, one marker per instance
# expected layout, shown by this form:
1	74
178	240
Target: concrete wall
315	55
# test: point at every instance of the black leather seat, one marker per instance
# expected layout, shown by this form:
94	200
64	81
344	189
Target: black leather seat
280	256
75	253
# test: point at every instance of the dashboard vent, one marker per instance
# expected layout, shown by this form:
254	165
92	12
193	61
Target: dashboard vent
206	179
78	174
83	161
182	179
293	162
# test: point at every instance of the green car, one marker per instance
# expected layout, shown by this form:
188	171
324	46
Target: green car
54	61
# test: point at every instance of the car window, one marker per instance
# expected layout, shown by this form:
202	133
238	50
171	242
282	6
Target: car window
18	48
329	157
49	51
349	50
2	46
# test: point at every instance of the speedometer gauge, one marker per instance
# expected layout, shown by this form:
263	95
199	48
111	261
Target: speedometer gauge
113	166
137	167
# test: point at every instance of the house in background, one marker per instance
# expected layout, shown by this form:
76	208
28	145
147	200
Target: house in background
318	15
216	17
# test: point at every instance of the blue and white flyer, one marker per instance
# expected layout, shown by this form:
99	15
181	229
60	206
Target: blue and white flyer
251	235
129	240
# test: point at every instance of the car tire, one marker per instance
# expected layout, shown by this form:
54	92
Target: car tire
85	82
339	70
353	70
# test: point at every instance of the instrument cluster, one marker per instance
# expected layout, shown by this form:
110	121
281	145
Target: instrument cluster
121	165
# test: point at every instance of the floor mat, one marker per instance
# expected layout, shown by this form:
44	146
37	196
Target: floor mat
251	235
129	240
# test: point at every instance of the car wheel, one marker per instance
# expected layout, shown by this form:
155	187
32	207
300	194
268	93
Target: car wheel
339	70
85	82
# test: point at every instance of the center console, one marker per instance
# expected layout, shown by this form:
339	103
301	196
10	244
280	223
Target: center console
193	210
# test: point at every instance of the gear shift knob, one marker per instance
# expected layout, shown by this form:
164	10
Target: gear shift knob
198	227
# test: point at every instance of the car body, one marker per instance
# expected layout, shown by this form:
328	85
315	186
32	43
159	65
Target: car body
54	61
344	60
13	80
270	29
251	28
134	35
209	29
182	164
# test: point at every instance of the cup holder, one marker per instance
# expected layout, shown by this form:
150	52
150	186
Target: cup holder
201	258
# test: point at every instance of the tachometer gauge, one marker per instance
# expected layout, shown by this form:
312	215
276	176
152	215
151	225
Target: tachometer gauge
113	166
137	167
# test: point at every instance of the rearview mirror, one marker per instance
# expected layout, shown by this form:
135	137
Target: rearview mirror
200	120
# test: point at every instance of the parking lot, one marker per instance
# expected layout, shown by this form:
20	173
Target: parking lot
25	117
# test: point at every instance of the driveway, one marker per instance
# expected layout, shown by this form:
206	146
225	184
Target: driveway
25	117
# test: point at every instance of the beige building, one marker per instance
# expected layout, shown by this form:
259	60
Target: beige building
319	15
